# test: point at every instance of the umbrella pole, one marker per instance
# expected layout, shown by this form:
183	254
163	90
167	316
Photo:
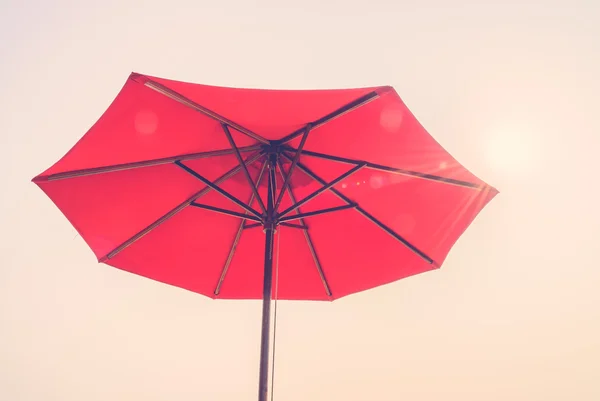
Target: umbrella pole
269	229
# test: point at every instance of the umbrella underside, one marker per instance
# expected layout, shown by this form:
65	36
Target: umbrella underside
167	187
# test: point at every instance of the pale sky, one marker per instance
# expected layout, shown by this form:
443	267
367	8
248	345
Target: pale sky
510	88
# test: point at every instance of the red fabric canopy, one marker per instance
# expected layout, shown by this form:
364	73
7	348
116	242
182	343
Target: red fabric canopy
129	188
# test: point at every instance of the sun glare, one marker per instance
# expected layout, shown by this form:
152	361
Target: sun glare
510	151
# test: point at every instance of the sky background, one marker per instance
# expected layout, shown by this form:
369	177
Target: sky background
509	88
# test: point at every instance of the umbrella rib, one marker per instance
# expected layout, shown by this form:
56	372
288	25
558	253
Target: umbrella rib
238	155
143	163
292	225
353	105
307	237
288	176
219	189
177	209
243	216
160	88
318	212
380	167
366	214
238	236
324	188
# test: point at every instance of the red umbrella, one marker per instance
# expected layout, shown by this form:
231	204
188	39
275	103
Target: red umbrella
187	184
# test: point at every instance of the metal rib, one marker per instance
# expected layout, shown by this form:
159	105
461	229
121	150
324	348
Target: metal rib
381	167
370	217
238	235
308	238
227	212
207	112
321	190
288	177
177	209
244	168
145	163
317	212
219	189
292	225
355	104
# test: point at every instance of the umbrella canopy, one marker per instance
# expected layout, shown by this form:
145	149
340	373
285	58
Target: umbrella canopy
128	187
186	184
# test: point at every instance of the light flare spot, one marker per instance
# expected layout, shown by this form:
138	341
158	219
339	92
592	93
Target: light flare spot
376	181
146	122
514	151
391	118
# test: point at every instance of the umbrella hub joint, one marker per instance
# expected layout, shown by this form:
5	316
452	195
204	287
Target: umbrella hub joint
269	224
273	150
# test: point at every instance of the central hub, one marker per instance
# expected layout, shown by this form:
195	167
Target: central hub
272	149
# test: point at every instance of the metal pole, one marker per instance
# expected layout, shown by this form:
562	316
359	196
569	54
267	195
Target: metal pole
269	228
